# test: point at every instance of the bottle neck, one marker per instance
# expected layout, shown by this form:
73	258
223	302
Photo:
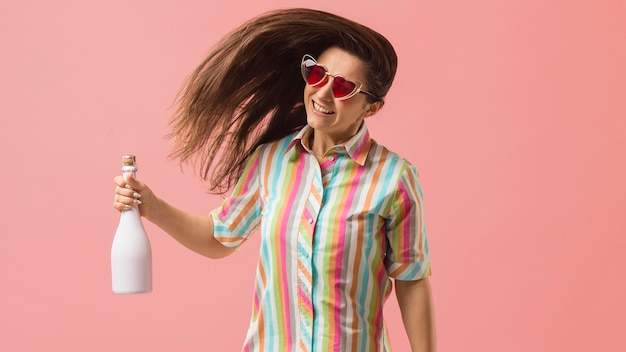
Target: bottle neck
128	174
129	171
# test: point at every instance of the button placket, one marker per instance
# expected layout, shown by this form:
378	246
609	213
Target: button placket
305	273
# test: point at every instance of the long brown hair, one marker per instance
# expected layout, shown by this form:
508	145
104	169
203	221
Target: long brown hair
248	91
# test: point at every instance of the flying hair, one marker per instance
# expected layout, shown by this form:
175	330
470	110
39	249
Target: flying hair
248	90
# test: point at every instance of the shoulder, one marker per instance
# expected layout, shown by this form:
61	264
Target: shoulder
378	154
275	148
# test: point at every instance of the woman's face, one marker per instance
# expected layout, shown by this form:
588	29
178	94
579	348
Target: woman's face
332	119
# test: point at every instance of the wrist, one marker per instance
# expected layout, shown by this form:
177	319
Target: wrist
151	210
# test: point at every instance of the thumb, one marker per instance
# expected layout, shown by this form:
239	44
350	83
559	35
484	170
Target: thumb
132	183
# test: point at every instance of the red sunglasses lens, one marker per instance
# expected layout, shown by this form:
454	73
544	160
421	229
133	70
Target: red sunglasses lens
342	87
314	74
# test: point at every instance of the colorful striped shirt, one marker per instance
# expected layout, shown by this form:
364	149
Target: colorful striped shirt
333	233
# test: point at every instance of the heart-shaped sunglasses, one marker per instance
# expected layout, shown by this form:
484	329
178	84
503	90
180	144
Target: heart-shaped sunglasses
317	75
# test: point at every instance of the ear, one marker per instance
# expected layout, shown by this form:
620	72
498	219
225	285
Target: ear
372	108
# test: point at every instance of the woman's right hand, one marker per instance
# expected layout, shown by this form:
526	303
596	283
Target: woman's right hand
133	192
192	231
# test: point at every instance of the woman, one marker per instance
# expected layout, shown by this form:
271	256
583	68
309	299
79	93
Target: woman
339	214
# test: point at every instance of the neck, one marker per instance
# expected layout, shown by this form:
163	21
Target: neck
320	142
319	145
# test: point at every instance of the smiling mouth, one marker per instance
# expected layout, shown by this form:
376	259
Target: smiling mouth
321	109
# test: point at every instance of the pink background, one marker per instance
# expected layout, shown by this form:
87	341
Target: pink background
513	111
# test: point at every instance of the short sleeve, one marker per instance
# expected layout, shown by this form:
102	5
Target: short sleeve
240	214
407	256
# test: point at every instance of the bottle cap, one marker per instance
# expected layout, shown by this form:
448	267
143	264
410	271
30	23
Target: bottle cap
128	160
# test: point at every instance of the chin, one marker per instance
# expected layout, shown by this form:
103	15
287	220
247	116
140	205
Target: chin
316	121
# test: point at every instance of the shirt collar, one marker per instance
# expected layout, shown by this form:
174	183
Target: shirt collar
357	147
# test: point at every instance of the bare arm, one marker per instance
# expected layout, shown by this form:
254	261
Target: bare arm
417	308
192	231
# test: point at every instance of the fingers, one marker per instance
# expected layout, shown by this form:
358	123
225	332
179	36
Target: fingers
125	198
119	181
121	206
125	194
129	182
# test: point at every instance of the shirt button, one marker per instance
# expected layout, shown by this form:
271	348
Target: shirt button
310	221
331	158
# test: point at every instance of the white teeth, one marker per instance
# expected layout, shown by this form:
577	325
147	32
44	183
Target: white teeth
321	109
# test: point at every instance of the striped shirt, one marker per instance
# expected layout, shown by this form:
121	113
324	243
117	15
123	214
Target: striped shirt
360	211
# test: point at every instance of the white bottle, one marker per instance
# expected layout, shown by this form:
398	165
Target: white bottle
131	255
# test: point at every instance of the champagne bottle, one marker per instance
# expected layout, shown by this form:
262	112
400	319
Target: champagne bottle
131	255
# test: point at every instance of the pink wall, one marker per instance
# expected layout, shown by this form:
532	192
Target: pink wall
513	111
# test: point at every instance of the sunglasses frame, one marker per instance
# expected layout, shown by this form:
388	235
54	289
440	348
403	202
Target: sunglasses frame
357	84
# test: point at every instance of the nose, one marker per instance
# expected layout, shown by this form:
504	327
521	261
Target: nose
325	92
